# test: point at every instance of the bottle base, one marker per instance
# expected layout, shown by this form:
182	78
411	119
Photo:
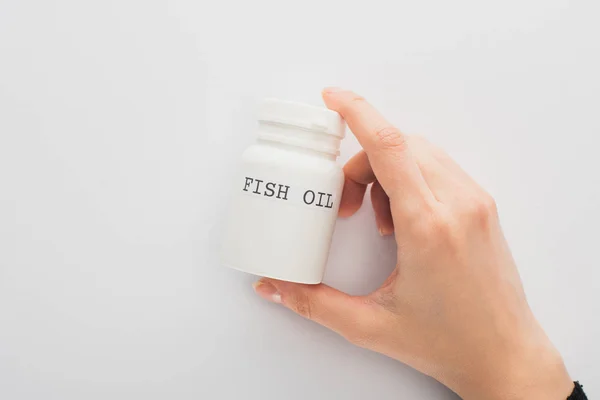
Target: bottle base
272	276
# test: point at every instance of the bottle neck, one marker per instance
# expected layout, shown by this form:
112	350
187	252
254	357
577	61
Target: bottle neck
313	141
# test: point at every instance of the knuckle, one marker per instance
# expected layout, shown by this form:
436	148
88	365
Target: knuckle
390	137
443	231
482	209
490	204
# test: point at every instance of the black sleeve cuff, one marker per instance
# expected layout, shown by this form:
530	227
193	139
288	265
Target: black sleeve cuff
577	393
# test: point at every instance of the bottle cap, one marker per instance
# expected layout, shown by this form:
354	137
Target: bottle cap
313	118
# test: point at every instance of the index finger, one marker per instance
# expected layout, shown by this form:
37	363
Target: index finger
386	147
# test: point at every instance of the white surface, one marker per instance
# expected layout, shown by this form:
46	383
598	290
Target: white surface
121	123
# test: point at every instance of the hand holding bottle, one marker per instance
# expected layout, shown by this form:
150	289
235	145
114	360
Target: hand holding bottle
454	307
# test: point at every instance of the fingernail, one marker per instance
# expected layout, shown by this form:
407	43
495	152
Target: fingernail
384	232
267	291
333	89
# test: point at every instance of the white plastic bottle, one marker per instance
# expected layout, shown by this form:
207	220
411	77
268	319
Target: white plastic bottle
287	194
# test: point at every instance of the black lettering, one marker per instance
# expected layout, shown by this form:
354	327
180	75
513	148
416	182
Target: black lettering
313	197
329	202
248	182
269	192
258	182
280	191
319	204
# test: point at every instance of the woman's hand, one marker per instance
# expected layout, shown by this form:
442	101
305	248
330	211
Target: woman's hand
454	307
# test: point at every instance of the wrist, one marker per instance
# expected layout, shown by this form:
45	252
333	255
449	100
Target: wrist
531	371
542	375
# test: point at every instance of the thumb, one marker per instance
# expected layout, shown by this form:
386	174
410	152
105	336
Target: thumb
350	316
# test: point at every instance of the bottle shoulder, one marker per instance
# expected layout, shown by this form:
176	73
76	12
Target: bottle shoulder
276	156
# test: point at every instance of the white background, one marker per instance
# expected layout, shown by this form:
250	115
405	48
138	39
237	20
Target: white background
121	123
